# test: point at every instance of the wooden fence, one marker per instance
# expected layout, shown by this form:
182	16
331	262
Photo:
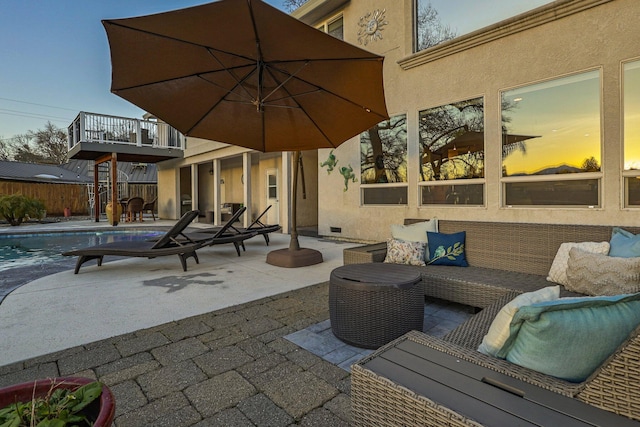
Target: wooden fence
147	191
55	197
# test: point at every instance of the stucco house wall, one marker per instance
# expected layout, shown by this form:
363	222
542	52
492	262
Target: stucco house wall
550	42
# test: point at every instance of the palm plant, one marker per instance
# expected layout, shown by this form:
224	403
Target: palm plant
16	208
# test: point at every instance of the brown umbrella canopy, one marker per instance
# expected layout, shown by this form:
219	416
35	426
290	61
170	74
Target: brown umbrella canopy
245	73
473	141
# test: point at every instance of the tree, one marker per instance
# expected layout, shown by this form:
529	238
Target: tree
23	151
383	151
291	5
51	143
430	30
5	149
48	145
438	128
590	165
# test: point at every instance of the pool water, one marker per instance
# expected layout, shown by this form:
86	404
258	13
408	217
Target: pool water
32	249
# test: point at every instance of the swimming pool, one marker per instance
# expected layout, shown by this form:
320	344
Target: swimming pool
43	248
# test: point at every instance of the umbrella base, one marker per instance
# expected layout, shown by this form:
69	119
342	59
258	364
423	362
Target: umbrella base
294	258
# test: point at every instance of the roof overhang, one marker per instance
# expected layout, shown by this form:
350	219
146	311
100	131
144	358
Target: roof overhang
313	11
125	153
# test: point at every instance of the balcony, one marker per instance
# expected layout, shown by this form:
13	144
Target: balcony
92	136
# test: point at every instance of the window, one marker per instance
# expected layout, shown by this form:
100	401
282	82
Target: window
441	20
631	105
551	144
452	153
430	30
383	162
335	28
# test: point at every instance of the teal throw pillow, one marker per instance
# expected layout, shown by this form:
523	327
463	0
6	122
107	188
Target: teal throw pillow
624	243
447	249
569	338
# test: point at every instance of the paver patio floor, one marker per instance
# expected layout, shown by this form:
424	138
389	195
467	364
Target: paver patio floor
231	367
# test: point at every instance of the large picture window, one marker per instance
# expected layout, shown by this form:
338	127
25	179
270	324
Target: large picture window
551	143
441	20
383	162
452	153
631	107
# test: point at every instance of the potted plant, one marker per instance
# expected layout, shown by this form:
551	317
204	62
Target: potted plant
57	402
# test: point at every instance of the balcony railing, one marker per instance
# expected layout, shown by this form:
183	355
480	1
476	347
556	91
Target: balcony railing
103	129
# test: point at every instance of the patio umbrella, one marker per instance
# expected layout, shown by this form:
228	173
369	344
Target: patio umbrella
473	141
247	74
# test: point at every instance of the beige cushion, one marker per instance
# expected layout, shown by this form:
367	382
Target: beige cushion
401	252
414	232
499	329
558	271
597	274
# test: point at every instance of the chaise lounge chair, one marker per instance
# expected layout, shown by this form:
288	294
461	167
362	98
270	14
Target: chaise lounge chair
169	244
224	234
256	227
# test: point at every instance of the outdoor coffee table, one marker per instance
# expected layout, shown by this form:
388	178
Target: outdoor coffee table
372	304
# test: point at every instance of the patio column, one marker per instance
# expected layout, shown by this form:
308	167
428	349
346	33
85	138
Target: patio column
96	193
194	187
114	188
246	188
217	199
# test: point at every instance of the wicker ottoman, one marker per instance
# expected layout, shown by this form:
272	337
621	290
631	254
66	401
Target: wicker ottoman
372	304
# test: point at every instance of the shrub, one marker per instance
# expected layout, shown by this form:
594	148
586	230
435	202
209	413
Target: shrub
16	208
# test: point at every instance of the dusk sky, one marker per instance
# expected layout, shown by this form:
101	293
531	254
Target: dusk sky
55	54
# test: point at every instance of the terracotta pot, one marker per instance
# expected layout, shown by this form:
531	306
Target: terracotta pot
103	409
113	219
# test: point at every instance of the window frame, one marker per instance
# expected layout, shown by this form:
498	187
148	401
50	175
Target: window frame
362	187
336	18
458	181
324	25
626	175
386	186
599	176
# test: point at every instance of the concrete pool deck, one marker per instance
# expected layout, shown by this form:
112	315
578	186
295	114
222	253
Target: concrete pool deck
64	309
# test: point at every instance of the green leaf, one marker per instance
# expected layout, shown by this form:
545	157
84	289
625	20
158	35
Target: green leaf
85	395
12	421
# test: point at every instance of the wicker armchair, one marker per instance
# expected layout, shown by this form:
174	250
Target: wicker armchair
150	207
134	207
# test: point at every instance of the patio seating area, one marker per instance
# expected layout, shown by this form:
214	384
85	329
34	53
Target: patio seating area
236	365
504	261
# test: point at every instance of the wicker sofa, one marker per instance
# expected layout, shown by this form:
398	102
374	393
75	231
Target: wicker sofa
505	260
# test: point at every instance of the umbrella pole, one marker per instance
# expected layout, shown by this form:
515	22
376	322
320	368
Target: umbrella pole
294	245
294	256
